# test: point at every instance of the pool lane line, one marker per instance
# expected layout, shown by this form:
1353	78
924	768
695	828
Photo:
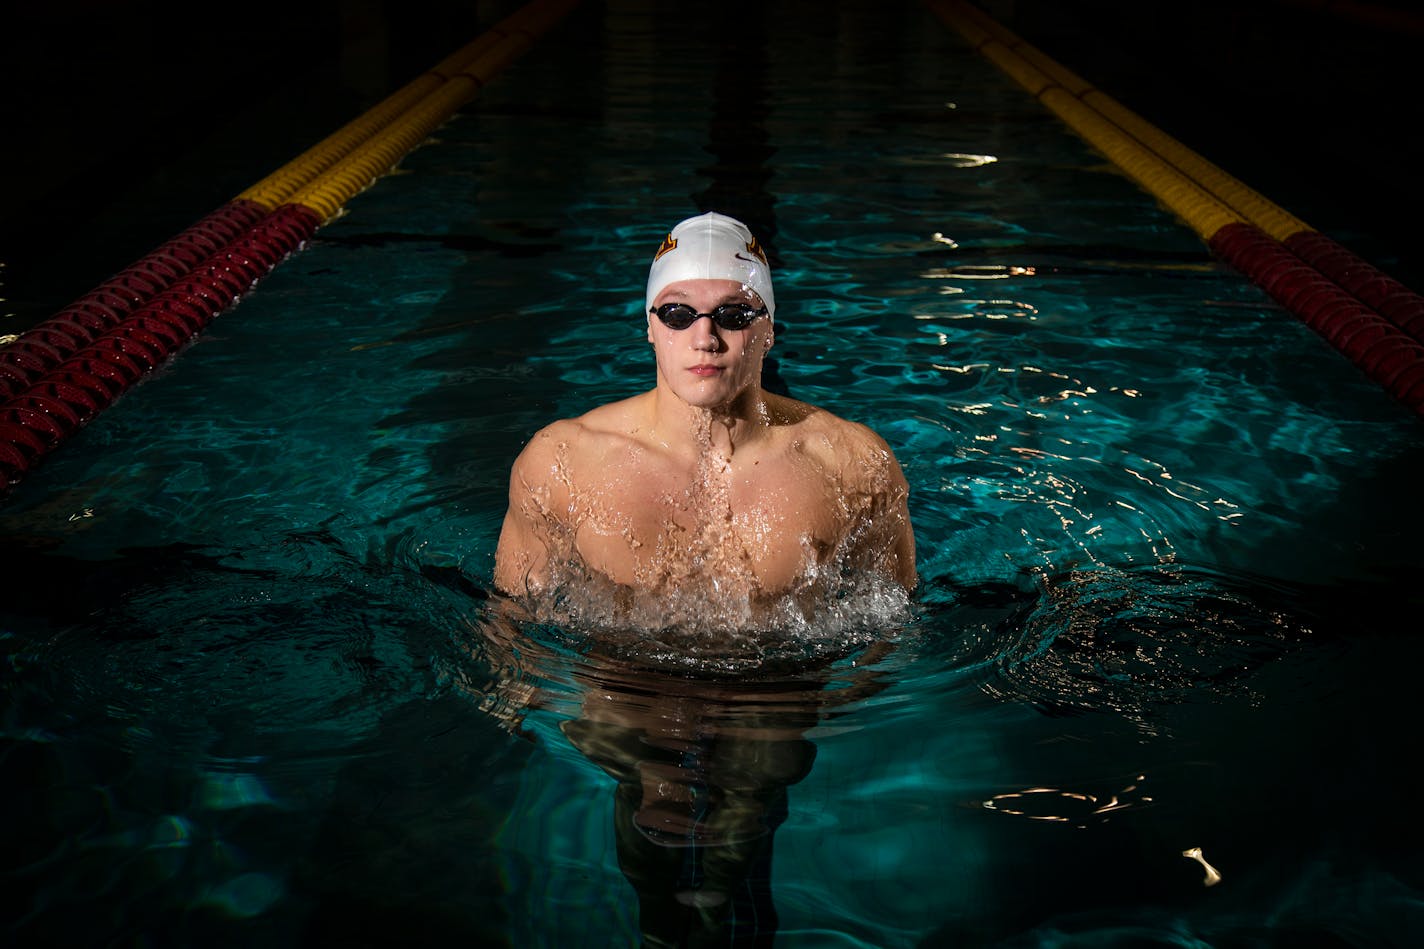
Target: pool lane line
1376	290
1372	319
59	374
439	92
119	296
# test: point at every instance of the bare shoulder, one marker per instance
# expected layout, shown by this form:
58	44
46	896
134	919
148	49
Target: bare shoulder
874	493
612	419
574	442
854	449
541	454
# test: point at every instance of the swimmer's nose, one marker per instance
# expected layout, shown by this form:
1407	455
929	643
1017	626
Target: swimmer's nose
704	335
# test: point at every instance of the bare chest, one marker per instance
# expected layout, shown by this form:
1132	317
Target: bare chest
757	524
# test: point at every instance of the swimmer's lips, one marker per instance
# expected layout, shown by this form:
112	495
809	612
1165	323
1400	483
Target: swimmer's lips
706	371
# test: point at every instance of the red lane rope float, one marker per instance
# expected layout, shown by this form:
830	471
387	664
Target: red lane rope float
1376	345
113	301
1373	319
61	373
1377	290
75	386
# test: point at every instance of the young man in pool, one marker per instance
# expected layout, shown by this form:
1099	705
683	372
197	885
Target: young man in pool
707	482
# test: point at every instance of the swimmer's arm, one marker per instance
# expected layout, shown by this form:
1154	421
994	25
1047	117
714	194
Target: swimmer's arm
903	548
521	559
897	542
511	695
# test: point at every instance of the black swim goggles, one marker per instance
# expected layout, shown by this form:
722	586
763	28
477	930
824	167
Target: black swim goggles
728	316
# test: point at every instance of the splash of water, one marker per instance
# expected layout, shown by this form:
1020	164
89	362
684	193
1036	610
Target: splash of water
696	594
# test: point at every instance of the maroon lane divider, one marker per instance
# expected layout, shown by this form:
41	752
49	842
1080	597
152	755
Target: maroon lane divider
62	372
1384	349
43	345
1377	290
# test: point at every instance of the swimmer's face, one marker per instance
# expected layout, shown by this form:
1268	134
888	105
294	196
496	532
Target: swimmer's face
706	365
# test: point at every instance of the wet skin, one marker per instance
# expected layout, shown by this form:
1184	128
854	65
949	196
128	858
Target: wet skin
705	479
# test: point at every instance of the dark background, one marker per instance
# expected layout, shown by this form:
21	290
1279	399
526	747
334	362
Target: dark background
1315	104
125	123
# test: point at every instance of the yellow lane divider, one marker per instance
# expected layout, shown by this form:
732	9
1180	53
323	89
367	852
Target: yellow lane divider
60	374
1128	131
1373	319
1204	210
330	173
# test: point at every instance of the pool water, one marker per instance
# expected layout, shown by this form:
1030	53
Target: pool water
257	689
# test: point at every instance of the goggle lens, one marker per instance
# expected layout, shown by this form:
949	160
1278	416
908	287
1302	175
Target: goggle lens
728	316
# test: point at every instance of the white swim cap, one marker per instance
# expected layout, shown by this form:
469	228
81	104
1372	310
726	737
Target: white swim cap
711	246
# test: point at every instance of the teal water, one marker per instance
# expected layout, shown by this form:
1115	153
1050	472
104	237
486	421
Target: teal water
256	688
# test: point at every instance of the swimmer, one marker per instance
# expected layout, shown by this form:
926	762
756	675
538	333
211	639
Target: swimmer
706	481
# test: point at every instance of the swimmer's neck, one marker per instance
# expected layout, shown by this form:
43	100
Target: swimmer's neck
693	430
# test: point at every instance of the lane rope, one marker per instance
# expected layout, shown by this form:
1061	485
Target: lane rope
1371	318
61	373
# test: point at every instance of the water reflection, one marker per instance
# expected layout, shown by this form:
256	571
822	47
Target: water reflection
702	763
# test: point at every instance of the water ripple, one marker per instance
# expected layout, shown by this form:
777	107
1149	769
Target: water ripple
1129	642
